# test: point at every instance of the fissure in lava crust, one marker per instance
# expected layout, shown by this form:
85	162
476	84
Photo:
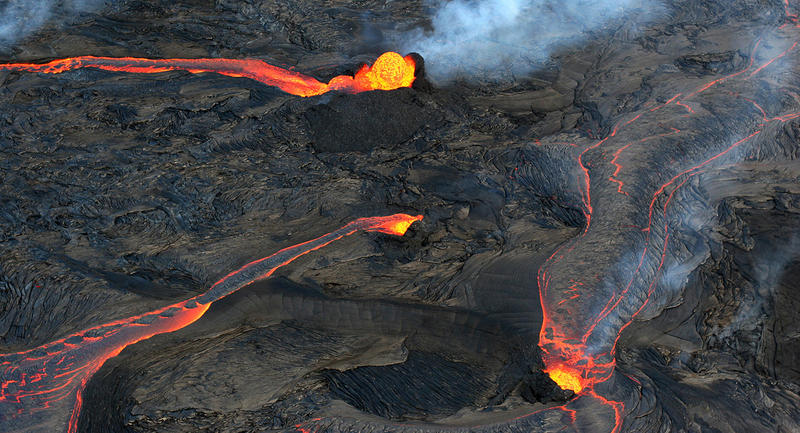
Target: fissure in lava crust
584	313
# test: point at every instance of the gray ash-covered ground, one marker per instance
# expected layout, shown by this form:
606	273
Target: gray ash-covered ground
121	193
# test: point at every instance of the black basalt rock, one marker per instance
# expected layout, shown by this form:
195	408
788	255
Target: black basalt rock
368	120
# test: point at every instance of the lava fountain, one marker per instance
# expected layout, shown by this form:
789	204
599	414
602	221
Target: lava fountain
390	71
40	384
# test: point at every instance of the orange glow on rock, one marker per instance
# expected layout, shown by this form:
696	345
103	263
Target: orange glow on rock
396	224
390	71
567	378
53	376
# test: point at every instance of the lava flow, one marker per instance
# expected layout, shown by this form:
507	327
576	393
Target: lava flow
54	375
580	331
390	71
583	314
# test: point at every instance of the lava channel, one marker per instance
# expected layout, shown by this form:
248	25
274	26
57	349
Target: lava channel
579	342
41	384
390	71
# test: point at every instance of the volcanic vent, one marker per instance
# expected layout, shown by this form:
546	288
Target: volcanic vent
608	242
390	71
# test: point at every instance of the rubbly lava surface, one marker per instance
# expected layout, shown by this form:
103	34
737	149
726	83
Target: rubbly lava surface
254	216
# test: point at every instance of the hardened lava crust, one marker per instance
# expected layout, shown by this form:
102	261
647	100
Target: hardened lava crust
608	242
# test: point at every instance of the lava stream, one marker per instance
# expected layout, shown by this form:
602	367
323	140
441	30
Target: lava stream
390	71
54	375
578	343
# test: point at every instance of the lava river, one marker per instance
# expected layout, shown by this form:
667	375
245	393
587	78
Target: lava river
579	349
588	297
46	382
390	71
585	310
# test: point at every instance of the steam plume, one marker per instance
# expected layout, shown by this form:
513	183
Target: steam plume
769	267
19	18
472	39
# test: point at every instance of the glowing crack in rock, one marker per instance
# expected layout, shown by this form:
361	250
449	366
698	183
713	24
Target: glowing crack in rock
45	382
390	71
579	349
582	320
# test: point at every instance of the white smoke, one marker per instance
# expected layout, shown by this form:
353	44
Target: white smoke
494	38
20	18
768	268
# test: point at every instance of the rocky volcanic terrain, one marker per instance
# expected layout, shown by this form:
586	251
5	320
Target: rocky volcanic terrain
627	212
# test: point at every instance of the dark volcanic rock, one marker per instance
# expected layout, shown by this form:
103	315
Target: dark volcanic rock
596	176
362	122
430	385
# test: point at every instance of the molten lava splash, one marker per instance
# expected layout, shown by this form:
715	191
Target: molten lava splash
566	378
394	226
390	71
579	349
56	373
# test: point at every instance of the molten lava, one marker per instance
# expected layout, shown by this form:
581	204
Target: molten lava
579	349
56	373
395	226
566	378
390	71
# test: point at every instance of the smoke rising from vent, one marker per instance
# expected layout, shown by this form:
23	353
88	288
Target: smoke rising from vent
769	268
20	18
491	39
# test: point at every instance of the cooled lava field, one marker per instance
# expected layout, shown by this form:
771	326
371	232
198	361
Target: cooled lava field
322	216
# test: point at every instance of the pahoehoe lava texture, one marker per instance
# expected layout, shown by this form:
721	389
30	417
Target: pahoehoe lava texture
651	164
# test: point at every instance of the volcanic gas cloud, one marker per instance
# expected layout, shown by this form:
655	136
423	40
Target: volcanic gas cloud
390	71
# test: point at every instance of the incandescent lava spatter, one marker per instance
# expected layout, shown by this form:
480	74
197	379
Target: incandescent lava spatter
390	71
618	223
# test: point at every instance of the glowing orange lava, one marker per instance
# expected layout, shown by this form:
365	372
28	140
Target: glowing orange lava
566	378
390	71
579	350
395	225
54	375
